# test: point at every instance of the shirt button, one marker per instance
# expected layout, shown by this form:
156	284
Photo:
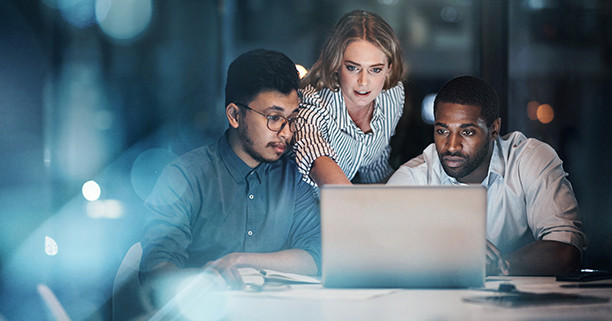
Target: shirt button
250	233
251	196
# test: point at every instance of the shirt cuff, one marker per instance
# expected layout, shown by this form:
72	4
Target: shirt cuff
569	237
307	153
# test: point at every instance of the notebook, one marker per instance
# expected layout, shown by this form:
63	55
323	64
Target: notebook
382	236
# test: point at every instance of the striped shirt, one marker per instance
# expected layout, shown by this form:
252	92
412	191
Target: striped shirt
330	131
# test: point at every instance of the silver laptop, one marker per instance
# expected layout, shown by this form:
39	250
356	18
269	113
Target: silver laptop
381	236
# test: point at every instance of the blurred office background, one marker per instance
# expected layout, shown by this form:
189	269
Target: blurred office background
96	96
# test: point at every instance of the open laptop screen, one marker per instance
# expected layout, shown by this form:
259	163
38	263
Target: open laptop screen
403	236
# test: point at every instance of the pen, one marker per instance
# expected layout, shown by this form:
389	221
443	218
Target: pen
587	285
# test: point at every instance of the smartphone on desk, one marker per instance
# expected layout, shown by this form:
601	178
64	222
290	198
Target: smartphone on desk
585	275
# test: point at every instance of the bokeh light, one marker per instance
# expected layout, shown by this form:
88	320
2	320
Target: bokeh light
104	120
79	13
302	71
388	2
201	299
123	20
51	248
91	191
110	209
450	14
146	169
545	113
532	108
427	109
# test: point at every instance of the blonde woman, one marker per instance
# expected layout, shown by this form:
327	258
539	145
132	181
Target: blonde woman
352	99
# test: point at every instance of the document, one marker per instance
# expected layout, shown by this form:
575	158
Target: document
253	276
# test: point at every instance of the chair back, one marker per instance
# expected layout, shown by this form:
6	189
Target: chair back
54	307
126	301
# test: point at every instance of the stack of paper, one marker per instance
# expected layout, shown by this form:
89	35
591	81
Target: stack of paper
259	277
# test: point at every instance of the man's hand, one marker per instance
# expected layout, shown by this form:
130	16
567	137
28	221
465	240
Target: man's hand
291	260
227	267
543	257
496	264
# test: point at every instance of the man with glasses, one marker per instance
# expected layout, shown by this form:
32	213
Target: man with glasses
240	202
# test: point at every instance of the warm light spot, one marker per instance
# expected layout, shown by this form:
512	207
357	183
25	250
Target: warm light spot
51	247
532	108
301	71
545	113
91	191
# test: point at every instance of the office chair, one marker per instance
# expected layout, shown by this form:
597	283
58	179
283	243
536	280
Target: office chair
54	307
126	300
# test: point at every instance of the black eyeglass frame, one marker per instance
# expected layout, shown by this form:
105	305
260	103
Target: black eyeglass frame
295	123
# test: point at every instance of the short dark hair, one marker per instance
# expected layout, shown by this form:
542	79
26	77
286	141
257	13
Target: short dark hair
470	90
259	70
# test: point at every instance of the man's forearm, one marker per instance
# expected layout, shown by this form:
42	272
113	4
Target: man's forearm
326	171
544	258
292	260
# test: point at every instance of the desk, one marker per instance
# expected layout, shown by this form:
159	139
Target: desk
312	302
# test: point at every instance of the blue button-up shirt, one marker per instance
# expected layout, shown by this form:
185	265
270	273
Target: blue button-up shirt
208	203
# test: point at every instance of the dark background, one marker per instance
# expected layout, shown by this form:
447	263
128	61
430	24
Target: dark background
111	91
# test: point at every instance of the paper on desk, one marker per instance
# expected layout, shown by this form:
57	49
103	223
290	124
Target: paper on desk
288	277
324	294
251	275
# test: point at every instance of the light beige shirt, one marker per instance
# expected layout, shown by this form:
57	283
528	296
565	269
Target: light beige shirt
528	194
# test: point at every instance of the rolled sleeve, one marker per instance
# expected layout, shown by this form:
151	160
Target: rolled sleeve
305	232
168	232
311	141
552	209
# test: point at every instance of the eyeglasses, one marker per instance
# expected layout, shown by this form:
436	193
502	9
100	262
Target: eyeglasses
277	122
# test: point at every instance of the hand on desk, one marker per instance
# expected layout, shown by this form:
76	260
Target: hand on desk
227	267
496	264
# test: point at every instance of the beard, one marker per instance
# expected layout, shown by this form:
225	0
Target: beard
470	164
249	145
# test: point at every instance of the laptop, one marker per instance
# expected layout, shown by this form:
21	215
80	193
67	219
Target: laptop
383	236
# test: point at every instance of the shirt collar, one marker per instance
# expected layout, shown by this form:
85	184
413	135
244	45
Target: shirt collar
379	111
448	180
237	168
344	119
497	167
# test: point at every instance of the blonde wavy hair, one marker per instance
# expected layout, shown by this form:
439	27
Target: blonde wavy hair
355	25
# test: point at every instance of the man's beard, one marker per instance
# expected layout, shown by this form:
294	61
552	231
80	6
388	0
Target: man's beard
469	166
243	133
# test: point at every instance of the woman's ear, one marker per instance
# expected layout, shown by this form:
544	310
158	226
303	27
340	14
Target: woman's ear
232	112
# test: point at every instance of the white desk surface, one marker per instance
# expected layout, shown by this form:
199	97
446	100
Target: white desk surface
313	302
